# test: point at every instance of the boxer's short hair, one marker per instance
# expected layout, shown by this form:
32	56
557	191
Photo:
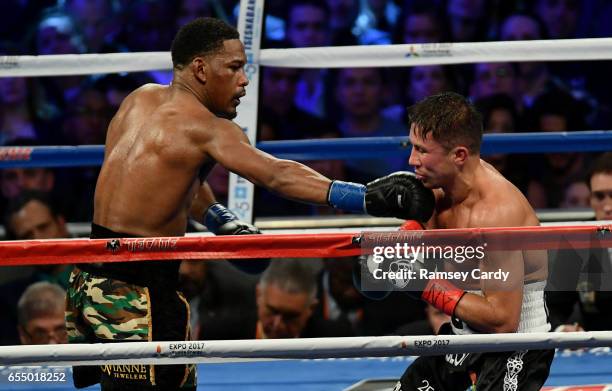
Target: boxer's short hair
200	37
450	118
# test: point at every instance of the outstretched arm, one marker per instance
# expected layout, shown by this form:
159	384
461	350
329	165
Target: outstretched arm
230	147
398	195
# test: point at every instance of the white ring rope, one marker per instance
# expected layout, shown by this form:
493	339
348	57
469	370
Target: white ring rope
183	352
83	64
440	53
326	57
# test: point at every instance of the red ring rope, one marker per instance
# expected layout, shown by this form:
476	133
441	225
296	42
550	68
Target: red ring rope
64	251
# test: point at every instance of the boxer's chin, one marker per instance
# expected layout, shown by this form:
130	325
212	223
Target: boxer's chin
428	184
232	113
425	181
227	114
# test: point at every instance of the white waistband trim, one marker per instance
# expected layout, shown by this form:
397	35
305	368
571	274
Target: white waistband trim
533	311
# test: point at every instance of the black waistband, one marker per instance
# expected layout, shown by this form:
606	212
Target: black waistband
100	232
144	273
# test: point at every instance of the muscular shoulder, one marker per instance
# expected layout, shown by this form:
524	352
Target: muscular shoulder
146	97
146	91
210	132
501	205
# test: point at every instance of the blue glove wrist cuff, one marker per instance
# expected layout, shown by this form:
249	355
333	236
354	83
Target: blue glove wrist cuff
347	196
217	215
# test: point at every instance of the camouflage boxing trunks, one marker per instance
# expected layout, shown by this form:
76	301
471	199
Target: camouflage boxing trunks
101	309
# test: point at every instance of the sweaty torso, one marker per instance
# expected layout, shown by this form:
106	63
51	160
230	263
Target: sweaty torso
152	165
492	202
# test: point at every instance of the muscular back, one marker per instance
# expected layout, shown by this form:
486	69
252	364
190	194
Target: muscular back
151	164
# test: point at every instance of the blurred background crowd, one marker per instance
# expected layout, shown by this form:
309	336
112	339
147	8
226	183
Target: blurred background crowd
313	297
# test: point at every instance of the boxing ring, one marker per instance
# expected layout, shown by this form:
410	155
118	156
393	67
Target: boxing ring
303	364
569	368
339	363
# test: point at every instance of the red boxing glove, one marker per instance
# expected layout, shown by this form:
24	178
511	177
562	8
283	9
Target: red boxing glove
440	293
411	225
443	295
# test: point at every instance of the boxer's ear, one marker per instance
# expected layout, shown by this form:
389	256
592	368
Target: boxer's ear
460	155
199	67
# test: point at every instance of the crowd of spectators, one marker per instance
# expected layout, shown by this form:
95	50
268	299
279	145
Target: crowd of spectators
298	298
315	103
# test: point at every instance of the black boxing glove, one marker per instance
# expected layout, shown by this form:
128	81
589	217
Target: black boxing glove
366	284
400	195
368	275
410	272
222	221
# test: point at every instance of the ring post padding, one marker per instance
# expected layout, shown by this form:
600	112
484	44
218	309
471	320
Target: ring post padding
241	193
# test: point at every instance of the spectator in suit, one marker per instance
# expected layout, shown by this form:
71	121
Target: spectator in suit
580	283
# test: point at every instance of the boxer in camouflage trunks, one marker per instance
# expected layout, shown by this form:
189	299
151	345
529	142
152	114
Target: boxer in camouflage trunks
101	308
